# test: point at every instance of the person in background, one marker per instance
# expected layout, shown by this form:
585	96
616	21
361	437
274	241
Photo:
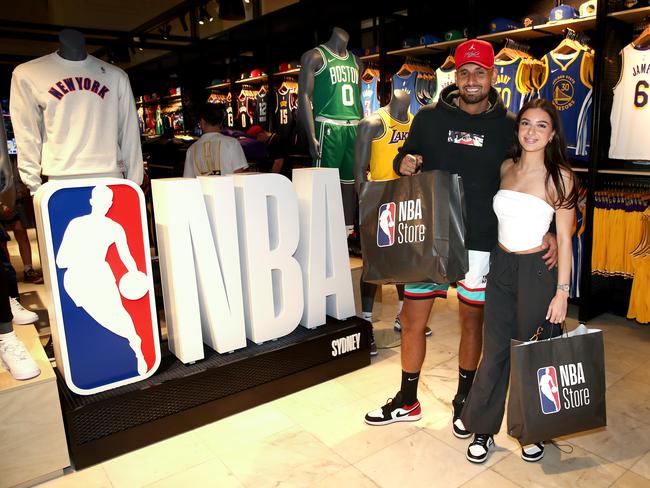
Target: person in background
214	153
276	147
536	183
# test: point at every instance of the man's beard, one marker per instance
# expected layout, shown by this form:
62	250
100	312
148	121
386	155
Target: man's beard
472	99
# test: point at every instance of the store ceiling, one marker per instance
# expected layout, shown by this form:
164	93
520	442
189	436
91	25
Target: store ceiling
113	28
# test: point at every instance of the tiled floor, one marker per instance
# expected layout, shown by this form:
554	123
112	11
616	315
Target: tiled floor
317	437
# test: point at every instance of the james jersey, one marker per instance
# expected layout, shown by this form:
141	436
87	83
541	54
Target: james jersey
261	110
285	113
567	83
383	148
510	83
630	115
444	78
336	87
407	83
369	99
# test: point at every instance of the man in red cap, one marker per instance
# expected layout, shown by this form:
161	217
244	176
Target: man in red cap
468	132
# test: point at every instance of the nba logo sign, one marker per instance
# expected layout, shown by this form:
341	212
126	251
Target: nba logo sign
95	250
386	225
549	395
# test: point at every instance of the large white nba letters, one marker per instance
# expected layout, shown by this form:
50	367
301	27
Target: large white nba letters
250	256
83	253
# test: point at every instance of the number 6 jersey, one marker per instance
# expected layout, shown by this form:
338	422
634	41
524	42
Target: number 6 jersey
630	115
336	92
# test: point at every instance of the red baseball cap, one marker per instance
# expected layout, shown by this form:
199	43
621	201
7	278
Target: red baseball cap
475	51
254	130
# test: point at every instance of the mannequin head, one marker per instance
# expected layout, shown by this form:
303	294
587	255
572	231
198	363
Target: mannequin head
399	104
72	45
338	41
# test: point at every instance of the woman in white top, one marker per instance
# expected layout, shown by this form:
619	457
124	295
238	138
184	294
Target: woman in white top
521	293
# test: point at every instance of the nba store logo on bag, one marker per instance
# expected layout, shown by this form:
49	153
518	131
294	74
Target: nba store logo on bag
408	212
570	392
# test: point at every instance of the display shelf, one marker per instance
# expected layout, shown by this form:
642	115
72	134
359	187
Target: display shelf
577	169
516	34
577	25
370	57
252	79
427	49
631	16
220	85
171	98
630	172
293	71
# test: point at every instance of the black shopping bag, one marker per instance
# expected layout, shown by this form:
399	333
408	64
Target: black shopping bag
413	229
557	386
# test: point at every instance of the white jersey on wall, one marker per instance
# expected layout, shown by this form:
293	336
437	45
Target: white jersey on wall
214	154
444	78
74	118
630	115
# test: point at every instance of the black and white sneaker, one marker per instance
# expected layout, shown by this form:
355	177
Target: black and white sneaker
457	425
477	451
532	452
394	411
398	327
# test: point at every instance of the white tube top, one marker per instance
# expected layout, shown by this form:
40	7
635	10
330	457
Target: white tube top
524	219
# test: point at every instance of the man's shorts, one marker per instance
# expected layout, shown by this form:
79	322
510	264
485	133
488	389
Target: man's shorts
337	139
471	289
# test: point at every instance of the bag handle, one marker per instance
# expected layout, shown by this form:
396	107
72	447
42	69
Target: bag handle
540	331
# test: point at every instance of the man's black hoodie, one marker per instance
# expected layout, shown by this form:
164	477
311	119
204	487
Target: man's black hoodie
474	146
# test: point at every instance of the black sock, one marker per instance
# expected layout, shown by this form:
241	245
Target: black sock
465	380
409	387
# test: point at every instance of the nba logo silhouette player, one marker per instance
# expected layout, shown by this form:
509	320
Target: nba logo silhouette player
386	227
83	253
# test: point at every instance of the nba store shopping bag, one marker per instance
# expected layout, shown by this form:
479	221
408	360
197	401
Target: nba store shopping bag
413	229
557	386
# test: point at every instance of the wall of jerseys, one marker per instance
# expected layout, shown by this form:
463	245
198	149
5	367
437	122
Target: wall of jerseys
161	115
251	107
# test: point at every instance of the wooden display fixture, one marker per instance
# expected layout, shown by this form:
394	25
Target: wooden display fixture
33	445
252	79
577	25
370	57
427	49
631	16
516	34
216	87
293	71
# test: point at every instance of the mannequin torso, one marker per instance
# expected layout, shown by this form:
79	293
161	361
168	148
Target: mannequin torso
72	45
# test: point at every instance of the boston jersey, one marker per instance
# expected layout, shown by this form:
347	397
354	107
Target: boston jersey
567	82
336	86
510	83
384	148
369	99
444	78
630	115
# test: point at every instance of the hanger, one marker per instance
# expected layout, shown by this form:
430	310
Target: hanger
449	63
643	39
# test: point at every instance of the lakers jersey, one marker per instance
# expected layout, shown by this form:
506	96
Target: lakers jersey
567	83
336	86
510	83
444	78
384	147
630	114
369	99
407	83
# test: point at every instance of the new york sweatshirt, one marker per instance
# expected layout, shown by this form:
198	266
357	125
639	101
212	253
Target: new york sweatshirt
74	118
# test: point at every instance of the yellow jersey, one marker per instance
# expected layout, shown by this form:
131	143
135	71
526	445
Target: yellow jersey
383	148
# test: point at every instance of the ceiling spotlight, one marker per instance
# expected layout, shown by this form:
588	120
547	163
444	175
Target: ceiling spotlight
165	31
204	15
183	23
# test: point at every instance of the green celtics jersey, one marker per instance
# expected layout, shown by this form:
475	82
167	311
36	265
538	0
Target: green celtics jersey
336	87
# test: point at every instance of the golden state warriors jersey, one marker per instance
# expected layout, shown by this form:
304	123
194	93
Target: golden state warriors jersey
510	83
567	83
384	148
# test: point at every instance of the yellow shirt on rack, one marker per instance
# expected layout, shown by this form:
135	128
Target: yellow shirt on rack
384	148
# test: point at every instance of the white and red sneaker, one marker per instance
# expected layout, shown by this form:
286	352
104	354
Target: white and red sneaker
394	411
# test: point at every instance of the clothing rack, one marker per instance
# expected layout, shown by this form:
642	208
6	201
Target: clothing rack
517	45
